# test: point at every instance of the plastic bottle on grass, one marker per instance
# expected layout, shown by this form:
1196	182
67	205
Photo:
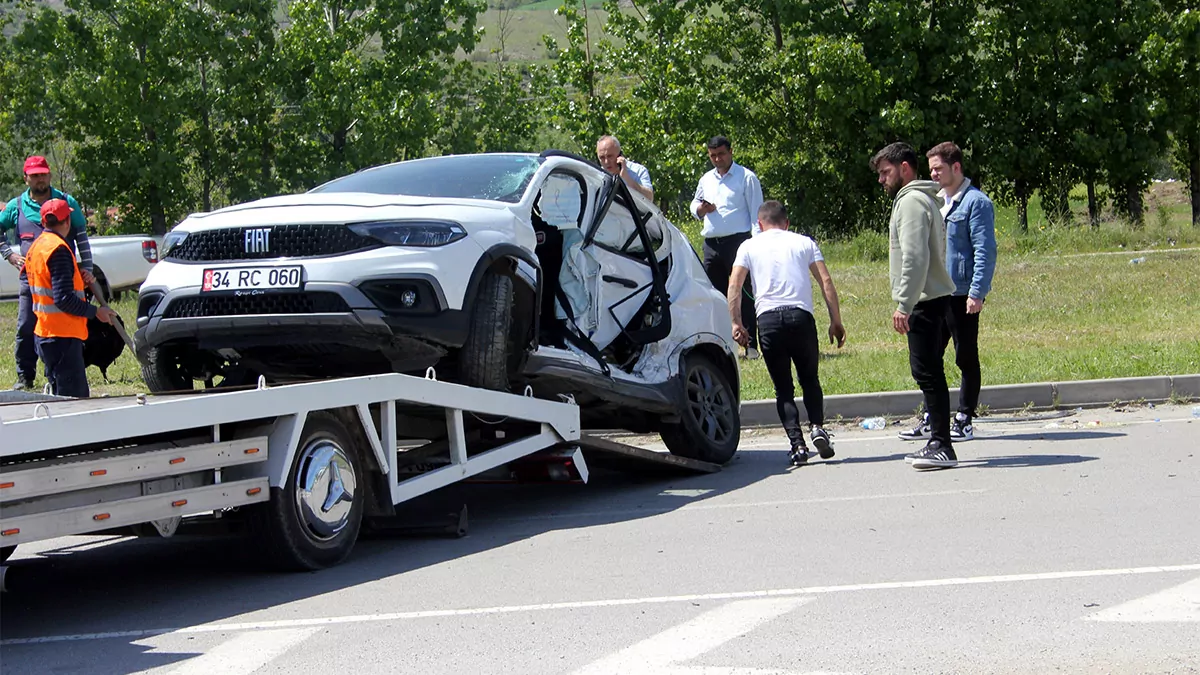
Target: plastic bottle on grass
874	423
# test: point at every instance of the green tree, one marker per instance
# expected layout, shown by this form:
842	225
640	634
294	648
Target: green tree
360	82
1173	52
571	87
118	73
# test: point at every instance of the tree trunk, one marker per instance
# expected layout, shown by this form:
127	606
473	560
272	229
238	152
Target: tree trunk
1133	202
1022	205
206	151
1194	182
1093	205
158	216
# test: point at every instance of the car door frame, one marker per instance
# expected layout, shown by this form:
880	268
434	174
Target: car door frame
614	186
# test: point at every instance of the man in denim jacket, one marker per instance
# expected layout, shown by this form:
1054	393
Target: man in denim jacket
971	261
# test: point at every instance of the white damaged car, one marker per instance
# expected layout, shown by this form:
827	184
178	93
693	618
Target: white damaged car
500	270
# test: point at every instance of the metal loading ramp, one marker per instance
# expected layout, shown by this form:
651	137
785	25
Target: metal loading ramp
609	454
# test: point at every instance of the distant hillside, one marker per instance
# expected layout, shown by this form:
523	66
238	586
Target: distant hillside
523	30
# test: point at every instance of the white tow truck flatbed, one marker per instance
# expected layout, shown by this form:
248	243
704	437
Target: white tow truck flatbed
303	464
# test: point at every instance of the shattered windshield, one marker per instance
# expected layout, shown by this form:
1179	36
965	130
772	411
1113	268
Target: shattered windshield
493	177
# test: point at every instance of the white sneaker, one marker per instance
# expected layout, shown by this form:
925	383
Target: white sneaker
961	428
751	353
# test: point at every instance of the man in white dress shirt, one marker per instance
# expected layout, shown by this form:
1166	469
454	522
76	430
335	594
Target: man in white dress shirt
636	176
727	200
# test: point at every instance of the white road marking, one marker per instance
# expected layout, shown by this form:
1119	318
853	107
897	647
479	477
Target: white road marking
617	602
707	506
693	638
245	653
1178	604
721	670
698	492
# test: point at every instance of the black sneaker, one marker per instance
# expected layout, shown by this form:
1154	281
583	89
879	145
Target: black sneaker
934	456
820	441
960	428
798	455
919	432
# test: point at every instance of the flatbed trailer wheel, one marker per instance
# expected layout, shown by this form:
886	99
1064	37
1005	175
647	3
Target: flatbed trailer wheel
710	425
313	521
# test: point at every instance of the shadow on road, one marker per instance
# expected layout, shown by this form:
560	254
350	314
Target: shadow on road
1016	461
867	459
1053	435
151	584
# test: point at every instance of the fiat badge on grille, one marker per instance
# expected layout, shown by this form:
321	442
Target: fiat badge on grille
258	240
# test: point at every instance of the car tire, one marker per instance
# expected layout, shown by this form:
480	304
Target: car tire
299	529
483	360
710	423
102	282
162	374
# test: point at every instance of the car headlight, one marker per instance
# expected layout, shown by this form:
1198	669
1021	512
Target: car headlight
411	232
170	241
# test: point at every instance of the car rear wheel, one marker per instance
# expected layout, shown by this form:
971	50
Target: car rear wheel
484	358
710	424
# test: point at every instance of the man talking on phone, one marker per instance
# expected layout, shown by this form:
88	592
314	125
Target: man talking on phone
727	200
636	176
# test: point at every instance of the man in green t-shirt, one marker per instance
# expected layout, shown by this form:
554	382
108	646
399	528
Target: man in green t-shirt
22	215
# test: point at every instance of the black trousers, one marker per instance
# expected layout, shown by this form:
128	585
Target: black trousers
964	329
64	366
927	326
719	254
789	337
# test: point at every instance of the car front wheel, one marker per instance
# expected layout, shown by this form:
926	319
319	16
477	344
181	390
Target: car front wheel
710	424
483	361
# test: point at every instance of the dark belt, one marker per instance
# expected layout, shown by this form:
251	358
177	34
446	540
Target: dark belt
727	236
784	309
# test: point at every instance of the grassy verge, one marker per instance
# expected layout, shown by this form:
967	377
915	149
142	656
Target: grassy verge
1048	318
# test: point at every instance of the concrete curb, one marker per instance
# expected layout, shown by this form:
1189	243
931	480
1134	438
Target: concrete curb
1085	393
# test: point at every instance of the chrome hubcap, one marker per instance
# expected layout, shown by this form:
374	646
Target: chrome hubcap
325	485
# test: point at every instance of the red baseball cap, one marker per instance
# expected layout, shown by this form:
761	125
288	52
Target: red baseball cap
36	164
57	208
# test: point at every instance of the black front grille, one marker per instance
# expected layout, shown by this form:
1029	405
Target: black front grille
266	303
281	241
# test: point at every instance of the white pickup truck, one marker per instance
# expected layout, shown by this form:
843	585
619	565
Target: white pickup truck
120	262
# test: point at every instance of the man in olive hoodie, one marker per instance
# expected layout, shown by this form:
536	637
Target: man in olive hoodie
921	289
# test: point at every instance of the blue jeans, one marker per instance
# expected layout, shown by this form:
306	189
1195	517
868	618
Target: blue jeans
64	366
26	350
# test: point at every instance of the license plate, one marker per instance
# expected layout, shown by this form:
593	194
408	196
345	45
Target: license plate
252	279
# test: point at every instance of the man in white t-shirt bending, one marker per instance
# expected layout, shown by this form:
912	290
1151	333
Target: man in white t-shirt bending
779	262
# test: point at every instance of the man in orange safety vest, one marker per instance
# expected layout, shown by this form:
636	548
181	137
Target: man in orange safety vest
59	303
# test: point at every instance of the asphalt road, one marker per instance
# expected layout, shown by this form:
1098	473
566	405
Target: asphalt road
1068	549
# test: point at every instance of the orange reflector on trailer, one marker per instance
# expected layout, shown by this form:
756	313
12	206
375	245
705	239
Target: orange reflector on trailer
101	516
6	485
251	451
179	502
9	533
177	460
100	472
253	491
